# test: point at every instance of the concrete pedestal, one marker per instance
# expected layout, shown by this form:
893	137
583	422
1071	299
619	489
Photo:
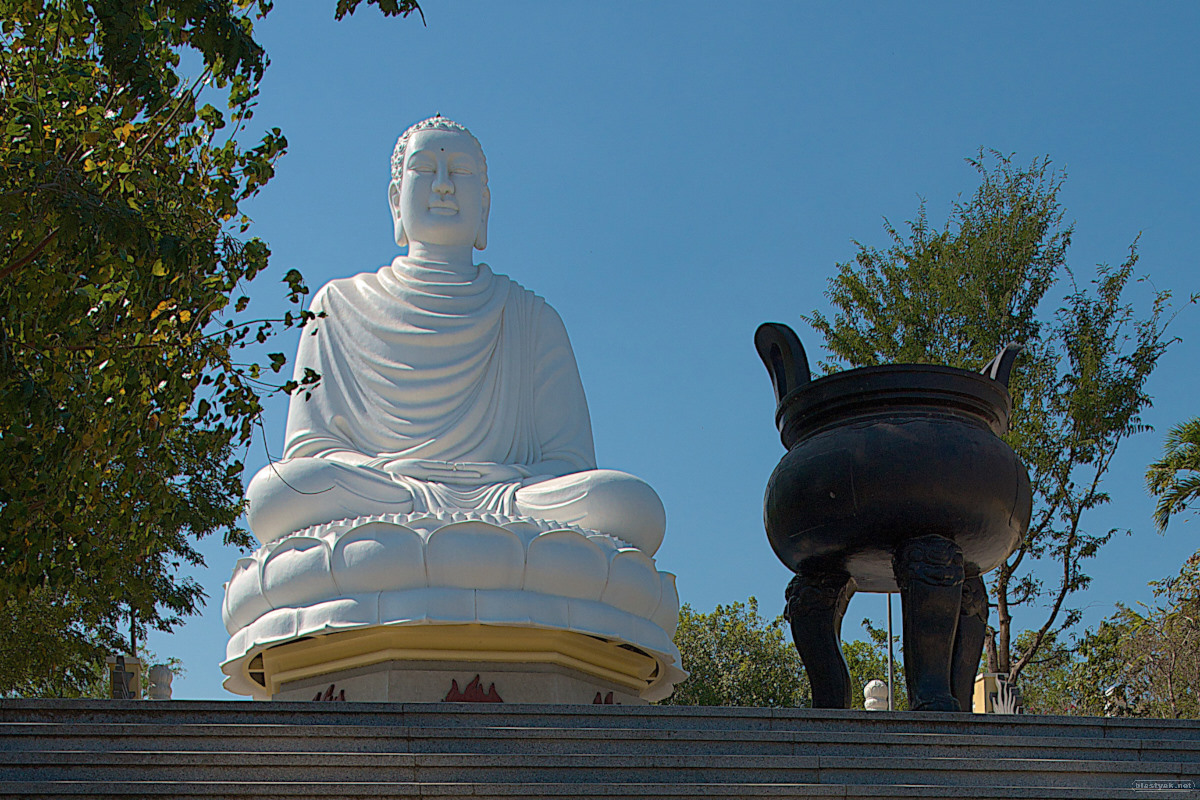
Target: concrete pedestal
447	681
457	663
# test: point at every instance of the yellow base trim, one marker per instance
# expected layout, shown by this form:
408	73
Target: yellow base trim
334	652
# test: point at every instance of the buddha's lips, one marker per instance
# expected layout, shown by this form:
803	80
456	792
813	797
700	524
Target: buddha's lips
443	208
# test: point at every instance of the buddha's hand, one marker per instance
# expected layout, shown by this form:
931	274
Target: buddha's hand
468	473
491	473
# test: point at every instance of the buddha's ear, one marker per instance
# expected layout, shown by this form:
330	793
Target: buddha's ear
481	236
394	203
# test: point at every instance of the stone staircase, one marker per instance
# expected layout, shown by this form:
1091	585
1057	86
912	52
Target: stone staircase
190	749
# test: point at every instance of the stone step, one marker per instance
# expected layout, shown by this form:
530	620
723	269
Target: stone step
384	768
279	739
546	791
671	718
292	750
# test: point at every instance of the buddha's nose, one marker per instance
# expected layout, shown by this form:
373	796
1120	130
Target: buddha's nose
441	181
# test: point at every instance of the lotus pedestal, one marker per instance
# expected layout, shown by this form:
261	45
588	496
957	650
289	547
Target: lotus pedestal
451	606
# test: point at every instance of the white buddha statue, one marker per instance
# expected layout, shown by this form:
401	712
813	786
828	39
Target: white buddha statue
444	386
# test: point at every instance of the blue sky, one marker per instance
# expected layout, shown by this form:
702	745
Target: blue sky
670	175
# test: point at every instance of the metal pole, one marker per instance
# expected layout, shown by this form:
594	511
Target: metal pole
891	657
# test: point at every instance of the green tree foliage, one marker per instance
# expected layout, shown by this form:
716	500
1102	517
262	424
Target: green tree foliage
955	295
1047	682
34	664
1175	478
1152	653
868	661
123	271
736	658
1095	672
45	648
1142	661
390	8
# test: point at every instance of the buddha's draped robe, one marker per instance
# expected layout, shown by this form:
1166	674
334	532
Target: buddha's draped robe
422	363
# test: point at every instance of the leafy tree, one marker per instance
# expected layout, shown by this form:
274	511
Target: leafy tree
867	661
955	295
45	649
736	658
1142	661
1097	674
35	665
390	8
123	271
1048	680
1175	478
1157	649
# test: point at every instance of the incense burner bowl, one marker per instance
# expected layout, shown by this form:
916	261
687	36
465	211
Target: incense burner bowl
895	479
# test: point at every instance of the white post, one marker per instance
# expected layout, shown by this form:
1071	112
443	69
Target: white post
891	658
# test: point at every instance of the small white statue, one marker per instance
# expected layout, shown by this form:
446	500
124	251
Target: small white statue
875	696
443	385
160	682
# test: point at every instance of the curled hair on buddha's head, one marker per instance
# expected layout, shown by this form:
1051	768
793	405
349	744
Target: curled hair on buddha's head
434	123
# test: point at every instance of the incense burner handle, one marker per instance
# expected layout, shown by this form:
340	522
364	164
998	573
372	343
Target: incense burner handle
784	357
1000	367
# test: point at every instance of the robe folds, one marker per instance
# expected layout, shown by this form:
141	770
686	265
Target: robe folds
418	362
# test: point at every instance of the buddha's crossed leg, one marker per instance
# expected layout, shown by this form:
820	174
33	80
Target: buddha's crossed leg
294	494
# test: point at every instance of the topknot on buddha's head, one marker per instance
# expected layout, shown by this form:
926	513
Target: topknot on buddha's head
434	123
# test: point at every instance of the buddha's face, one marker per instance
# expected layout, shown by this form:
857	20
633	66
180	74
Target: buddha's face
442	198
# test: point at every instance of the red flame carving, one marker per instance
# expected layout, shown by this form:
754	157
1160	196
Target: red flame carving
329	694
473	694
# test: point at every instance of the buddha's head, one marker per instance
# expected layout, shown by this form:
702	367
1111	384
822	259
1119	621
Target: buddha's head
439	192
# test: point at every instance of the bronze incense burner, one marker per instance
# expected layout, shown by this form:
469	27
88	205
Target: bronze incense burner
895	479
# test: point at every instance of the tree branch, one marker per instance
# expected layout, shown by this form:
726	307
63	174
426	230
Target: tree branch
25	260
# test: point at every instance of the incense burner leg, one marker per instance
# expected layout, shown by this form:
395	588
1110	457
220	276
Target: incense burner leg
929	572
816	603
968	644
